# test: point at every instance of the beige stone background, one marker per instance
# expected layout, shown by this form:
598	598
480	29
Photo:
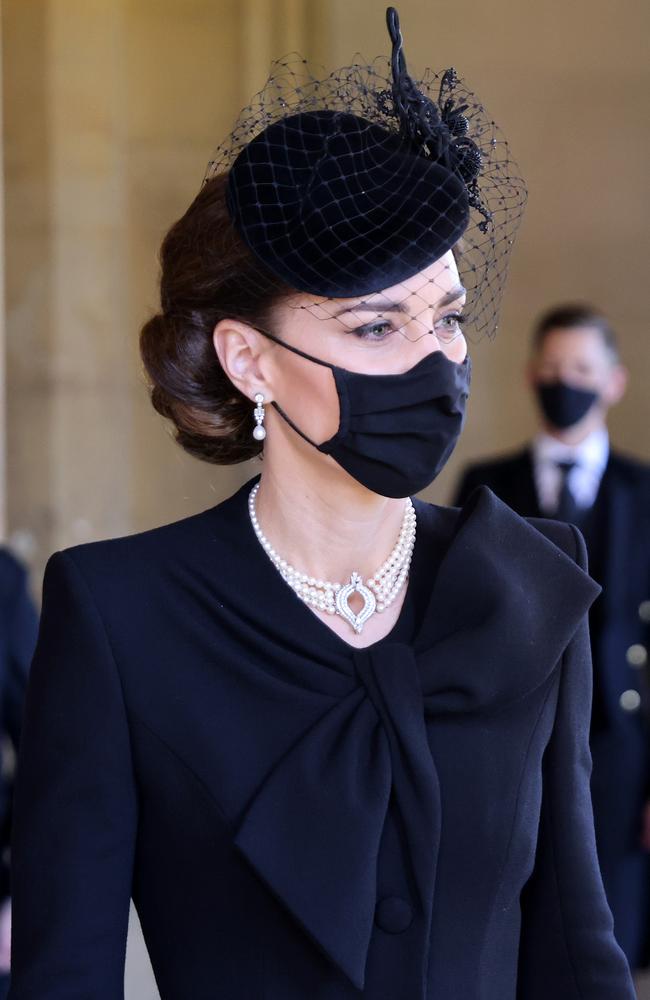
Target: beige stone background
111	109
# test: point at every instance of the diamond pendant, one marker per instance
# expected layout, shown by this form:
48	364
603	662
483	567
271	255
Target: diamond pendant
343	595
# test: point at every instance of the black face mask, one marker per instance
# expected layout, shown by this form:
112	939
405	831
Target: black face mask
564	405
396	432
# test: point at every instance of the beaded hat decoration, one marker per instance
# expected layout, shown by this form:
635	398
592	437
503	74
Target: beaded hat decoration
357	182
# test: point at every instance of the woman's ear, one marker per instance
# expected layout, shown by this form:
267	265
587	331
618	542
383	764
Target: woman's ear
241	350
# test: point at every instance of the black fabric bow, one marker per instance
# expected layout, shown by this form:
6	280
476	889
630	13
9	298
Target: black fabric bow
312	829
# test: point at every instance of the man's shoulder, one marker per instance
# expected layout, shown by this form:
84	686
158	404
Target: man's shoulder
630	467
502	462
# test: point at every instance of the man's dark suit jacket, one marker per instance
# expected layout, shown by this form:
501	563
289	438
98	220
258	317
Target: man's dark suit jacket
18	628
297	818
617	532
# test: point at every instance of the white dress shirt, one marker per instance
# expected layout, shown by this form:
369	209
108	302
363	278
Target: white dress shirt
583	480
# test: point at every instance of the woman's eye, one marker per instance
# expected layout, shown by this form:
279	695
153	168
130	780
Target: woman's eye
374	331
450	326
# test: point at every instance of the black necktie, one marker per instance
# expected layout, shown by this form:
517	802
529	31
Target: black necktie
567	508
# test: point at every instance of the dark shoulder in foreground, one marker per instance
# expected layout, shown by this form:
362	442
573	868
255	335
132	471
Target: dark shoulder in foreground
10	566
12	574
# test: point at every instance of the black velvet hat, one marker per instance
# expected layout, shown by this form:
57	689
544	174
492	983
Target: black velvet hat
337	206
352	183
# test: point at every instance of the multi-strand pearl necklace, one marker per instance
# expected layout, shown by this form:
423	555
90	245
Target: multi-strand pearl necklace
378	592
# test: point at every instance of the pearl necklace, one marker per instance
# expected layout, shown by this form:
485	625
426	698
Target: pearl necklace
378	592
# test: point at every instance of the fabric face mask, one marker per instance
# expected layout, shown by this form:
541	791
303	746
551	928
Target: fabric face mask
564	405
395	432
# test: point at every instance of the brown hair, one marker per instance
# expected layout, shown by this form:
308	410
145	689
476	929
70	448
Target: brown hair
207	274
572	316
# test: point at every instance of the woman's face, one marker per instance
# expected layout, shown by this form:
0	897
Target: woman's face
382	333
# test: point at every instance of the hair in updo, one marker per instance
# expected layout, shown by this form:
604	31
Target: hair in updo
207	274
574	316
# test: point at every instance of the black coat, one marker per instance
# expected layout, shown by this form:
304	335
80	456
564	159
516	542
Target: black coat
18	627
617	532
298	818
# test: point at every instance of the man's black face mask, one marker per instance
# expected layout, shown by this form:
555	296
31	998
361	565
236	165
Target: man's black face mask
562	404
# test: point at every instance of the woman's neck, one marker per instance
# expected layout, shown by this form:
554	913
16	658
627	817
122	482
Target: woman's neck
324	523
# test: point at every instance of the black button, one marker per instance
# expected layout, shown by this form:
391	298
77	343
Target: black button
393	914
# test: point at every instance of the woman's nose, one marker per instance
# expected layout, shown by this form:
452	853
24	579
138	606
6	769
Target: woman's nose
455	348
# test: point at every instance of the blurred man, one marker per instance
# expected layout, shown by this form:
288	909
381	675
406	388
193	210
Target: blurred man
18	628
569	472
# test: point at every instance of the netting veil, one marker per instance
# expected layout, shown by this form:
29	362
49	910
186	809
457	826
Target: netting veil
351	184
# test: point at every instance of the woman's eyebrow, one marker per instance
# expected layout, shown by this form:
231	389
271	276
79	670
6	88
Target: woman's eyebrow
377	305
452	296
385	305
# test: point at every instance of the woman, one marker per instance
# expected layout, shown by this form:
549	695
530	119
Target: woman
332	740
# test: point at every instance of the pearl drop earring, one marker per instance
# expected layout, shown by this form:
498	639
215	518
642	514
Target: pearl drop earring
259	431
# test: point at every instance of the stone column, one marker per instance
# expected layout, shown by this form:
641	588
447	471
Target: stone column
70	378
